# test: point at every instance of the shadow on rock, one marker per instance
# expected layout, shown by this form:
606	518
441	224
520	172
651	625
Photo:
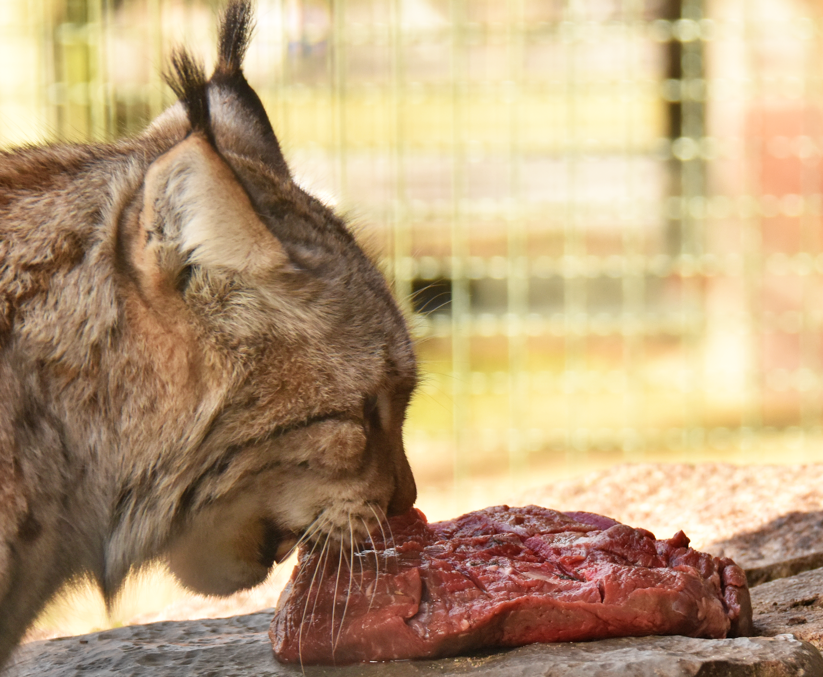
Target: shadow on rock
786	546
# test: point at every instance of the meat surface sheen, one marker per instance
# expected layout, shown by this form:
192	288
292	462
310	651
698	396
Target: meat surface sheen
503	577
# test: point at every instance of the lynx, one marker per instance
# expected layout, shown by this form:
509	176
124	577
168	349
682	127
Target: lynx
198	364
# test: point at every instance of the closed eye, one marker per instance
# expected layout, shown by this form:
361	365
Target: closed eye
384	410
183	278
371	414
377	411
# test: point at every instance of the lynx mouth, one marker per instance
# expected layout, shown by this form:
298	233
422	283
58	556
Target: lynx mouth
276	546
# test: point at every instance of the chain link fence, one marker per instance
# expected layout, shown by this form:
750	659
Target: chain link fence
602	216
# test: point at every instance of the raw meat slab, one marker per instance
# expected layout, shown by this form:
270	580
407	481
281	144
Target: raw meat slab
502	577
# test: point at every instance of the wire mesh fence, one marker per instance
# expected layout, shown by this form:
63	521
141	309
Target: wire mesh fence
602	216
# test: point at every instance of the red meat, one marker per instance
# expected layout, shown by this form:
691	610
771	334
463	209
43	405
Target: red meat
503	577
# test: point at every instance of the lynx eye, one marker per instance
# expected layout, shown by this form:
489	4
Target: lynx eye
384	409
371	414
183	278
377	411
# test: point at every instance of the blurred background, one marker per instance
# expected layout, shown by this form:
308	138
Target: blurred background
603	217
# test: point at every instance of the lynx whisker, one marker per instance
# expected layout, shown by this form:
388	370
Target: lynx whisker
320	563
351	556
425	312
336	585
348	591
376	567
303	568
362	571
391	536
307	535
382	531
317	526
413	296
360	565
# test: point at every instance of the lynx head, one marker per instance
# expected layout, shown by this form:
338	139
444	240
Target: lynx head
282	366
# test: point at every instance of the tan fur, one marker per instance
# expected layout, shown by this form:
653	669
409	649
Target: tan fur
197	362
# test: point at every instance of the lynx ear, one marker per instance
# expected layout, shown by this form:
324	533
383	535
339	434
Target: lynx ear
192	197
238	117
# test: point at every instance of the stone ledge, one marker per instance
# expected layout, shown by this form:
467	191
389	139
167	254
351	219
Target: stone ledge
231	647
787	545
791	605
774	571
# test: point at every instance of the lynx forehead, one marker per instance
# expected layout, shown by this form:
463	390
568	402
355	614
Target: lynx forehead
197	362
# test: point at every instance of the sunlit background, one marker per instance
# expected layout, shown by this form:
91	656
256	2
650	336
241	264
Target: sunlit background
603	217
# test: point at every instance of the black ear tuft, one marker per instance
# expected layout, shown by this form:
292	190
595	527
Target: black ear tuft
237	104
235	32
188	81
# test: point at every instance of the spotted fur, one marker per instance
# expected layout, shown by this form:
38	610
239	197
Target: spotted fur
197	362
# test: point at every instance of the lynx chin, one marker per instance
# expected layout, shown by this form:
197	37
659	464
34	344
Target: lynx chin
198	364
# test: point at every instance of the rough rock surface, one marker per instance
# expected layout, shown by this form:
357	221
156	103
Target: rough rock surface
232	647
793	605
784	547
